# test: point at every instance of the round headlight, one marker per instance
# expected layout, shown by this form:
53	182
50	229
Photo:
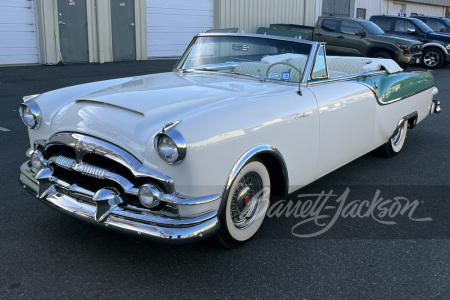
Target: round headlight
167	149
27	116
30	114
170	144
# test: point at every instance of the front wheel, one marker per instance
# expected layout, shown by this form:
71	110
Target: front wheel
433	58
396	142
246	206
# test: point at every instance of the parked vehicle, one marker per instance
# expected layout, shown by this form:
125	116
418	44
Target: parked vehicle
438	24
184	155
356	37
436	48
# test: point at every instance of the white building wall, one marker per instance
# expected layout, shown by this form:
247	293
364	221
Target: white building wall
372	7
389	7
249	15
171	25
18	32
427	10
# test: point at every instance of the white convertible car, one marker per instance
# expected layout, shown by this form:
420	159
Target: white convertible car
196	152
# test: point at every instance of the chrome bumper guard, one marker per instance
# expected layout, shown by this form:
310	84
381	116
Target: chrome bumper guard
109	213
435	107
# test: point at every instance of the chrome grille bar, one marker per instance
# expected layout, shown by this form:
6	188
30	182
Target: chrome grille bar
96	172
90	170
83	168
65	162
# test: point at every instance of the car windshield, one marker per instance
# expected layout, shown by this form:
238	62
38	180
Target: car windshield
263	57
446	21
422	26
372	28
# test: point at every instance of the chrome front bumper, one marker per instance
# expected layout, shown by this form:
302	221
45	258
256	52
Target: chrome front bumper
124	217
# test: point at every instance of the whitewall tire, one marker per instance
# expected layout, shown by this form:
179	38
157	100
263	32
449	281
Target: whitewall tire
396	142
246	205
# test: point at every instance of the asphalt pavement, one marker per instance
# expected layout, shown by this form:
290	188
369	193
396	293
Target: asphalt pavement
405	255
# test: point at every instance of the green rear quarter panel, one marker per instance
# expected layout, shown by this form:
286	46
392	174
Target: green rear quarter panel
397	86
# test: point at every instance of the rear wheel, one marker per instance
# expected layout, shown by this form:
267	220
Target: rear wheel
396	142
433	58
246	206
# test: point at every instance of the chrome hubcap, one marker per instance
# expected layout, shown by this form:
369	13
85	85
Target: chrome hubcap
431	58
246	200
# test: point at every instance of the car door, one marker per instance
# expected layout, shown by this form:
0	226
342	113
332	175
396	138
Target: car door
327	33
407	29
347	119
350	39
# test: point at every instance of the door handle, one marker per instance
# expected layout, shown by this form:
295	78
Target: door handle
318	34
132	24
61	23
340	37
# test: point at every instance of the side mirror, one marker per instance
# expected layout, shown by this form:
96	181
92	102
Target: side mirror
444	30
412	31
360	33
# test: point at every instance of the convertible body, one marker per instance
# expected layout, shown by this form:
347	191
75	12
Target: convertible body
183	155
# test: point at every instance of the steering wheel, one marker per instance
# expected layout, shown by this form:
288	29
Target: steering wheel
283	63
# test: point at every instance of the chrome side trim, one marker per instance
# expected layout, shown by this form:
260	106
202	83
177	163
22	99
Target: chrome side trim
407	96
259	149
346	78
88	144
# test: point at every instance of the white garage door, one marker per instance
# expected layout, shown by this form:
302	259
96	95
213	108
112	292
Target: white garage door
172	24
18	37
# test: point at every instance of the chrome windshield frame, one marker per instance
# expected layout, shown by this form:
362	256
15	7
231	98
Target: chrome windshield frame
308	67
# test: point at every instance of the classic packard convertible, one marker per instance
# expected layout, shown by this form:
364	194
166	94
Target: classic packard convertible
197	152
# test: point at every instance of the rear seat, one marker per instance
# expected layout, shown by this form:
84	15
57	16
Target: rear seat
342	66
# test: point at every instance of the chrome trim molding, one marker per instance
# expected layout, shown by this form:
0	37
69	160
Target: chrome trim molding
309	63
28	101
407	96
251	153
177	138
254	35
346	78
412	116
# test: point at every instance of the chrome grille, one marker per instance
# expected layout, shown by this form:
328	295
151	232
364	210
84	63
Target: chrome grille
65	162
83	168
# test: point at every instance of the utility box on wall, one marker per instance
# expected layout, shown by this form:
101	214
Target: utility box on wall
91	30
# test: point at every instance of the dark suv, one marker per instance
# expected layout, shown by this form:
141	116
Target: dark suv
436	48
438	24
